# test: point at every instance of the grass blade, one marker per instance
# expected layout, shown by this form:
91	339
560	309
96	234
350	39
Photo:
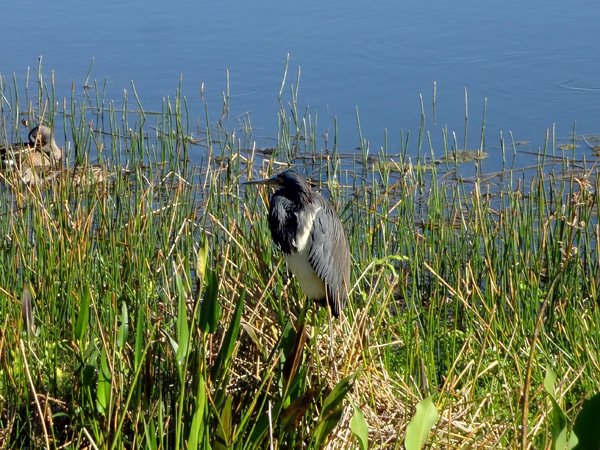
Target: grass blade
223	360
27	311
84	315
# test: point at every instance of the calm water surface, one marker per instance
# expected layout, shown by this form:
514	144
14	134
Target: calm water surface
536	62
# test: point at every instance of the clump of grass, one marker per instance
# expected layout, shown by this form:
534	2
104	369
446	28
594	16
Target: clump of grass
164	317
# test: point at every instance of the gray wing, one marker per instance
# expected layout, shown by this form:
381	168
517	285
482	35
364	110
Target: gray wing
329	254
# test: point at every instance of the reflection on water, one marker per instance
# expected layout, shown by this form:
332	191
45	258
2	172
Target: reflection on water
536	63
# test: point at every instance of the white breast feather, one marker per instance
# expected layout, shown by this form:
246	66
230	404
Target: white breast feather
299	265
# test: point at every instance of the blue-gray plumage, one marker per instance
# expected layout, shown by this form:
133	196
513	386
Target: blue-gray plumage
312	238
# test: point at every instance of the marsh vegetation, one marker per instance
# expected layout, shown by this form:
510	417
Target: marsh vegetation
163	316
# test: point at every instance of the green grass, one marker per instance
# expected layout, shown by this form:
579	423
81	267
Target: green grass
164	316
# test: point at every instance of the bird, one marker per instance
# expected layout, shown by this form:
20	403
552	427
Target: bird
40	152
86	175
39	162
312	238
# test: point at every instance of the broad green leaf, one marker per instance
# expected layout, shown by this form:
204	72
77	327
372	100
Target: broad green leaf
573	441
259	431
103	391
84	314
296	387
124	328
294	358
250	332
332	410
559	426
559	420
202	257
359	427
183	331
587	425
174	344
139	336
336	397
325	427
224	357
150	432
197	427
549	380
288	337
89	373
419	427
210	310
293	414
160	426
224	430
193	438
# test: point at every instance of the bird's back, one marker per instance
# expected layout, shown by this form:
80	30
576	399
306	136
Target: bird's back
330	254
40	151
312	237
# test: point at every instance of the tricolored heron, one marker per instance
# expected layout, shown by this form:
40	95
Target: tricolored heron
312	238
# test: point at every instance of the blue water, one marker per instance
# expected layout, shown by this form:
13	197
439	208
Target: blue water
537	63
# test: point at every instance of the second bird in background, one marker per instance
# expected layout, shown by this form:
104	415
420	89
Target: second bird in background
40	151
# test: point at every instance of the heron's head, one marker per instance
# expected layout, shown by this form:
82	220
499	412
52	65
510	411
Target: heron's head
291	183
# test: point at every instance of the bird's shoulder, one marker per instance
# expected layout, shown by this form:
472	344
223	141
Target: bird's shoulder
329	253
328	239
283	222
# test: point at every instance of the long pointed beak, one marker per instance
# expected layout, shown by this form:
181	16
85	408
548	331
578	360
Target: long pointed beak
268	181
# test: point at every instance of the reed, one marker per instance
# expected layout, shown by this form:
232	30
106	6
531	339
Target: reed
164	316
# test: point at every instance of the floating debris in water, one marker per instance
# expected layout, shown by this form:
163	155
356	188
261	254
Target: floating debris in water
522	143
570	146
226	159
462	156
395	166
403	168
424	167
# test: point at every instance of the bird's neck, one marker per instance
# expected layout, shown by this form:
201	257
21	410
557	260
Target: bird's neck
300	199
